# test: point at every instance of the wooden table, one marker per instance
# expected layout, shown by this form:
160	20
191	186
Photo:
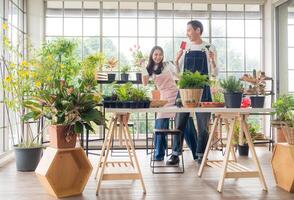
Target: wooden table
228	114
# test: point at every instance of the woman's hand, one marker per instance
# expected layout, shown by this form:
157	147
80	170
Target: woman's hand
179	55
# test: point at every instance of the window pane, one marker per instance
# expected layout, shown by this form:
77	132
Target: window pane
182	10
235	11
218	28
54	26
252	12
253	28
199	7
205	27
235	54
146	44
78	41
253	54
165	9
128	27
91	9
146	27
72	9
128	9
110	9
290	58
54	9
220	45
91	26
167	46
180	27
290	81
165	27
146	9
290	35
110	27
177	44
72	26
235	28
91	45
110	47
125	54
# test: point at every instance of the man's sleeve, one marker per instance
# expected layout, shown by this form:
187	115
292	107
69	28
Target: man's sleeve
214	71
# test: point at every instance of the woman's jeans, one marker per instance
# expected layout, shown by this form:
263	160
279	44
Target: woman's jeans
160	140
196	142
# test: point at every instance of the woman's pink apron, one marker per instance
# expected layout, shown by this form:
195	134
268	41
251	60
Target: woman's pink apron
168	91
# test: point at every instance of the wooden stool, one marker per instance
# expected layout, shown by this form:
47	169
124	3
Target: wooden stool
230	168
124	137
166	132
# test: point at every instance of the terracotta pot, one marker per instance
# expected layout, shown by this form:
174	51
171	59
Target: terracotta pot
280	136
155	94
62	136
191	97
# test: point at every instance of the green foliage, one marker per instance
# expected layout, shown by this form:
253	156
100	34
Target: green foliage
253	129
231	85
124	69
284	107
127	92
217	94
191	80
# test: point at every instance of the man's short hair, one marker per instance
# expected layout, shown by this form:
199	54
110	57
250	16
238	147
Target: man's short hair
196	24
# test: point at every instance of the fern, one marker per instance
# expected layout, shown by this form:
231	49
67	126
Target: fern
191	80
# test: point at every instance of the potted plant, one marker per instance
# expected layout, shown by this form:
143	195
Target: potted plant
240	140
155	93
139	60
96	61
284	107
288	130
191	87
233	92
19	82
111	64
67	96
257	88
124	75
217	95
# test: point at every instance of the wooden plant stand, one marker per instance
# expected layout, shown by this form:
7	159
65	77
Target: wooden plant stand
126	170
64	172
282	164
230	168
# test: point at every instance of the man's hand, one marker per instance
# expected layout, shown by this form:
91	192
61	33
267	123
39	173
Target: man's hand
211	56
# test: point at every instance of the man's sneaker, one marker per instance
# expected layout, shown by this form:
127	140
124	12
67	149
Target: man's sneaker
173	160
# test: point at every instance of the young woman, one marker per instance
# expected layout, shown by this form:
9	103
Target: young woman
164	75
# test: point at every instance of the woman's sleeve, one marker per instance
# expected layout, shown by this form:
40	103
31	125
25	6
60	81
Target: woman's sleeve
173	69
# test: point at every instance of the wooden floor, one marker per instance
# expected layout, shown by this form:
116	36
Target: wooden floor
22	186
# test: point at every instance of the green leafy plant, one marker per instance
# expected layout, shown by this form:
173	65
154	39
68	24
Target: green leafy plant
125	69
191	80
217	94
284	107
231	85
253	129
139	58
127	92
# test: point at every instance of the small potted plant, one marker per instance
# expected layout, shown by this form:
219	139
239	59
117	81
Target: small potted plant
288	130
191	87
139	60
217	95
241	141
233	92
256	88
124	75
284	106
111	64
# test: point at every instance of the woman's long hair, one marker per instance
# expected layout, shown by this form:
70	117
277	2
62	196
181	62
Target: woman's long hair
150	65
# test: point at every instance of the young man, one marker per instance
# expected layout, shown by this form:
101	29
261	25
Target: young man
199	56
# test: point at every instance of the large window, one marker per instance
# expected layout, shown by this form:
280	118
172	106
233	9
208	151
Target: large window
290	49
113	27
12	15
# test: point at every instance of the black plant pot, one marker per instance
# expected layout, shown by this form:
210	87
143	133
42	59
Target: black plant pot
233	100
119	104
27	159
257	101
243	150
124	77
139	77
126	104
111	77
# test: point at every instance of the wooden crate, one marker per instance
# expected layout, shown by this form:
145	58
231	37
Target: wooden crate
64	172
282	164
